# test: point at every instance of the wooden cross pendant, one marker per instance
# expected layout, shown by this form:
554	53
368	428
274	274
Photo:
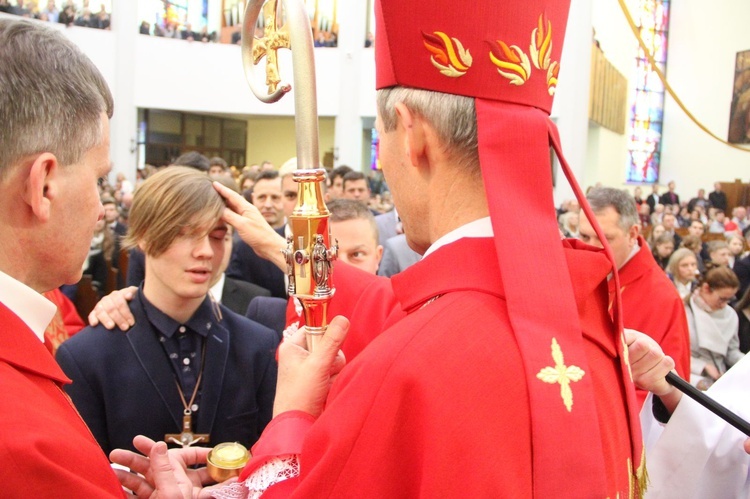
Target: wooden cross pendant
187	437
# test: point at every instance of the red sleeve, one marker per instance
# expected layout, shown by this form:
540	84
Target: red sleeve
283	436
365	299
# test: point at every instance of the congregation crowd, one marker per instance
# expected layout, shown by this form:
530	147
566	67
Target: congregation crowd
69	13
440	377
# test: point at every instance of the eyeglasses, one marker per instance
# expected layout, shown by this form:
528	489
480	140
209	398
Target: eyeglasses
723	299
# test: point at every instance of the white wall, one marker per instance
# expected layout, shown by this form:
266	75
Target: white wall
208	77
703	43
570	109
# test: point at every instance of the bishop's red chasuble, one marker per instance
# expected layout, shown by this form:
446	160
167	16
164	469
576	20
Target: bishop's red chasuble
651	305
46	450
438	404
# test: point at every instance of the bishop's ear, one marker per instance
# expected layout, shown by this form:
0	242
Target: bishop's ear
42	185
413	130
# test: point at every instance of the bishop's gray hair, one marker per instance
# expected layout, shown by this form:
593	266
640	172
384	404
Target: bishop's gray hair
51	95
623	203
453	118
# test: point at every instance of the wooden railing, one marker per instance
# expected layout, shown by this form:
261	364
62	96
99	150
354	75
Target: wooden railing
608	93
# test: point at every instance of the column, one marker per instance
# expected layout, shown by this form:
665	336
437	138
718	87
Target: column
123	126
352	15
571	109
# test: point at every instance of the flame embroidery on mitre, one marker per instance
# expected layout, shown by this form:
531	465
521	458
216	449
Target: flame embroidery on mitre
541	44
511	62
541	50
448	54
552	73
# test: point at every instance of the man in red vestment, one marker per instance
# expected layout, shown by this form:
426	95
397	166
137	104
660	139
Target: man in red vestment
650	302
54	146
482	384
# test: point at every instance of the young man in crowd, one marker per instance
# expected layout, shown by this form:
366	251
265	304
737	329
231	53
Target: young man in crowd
201	373
354	228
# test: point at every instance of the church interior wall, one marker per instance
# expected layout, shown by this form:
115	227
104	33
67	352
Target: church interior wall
703	42
705	38
272	138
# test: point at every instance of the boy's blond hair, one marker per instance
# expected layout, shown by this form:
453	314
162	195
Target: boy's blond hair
175	201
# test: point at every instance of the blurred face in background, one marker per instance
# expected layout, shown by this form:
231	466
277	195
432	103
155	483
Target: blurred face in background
687	269
110	212
720	256
289	190
657	231
268	199
696	228
358	244
665	249
736	246
357	190
716	299
621	241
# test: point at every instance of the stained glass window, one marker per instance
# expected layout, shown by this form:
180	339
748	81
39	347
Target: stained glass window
647	104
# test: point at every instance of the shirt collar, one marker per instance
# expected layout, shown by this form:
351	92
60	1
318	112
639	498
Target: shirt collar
634	251
217	290
201	321
478	228
31	307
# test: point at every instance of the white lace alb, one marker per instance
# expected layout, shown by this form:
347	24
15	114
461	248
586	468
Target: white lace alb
272	472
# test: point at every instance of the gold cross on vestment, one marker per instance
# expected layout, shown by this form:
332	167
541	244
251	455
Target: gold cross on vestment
274	38
187	437
561	374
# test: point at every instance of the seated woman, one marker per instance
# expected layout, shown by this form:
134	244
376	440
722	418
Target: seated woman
736	246
682	269
189	371
662	250
694	244
656	231
714	343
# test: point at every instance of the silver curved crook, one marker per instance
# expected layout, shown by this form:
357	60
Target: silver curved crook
250	20
305	94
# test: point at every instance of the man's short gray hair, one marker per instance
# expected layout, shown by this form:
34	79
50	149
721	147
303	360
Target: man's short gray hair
453	117
623	203
51	95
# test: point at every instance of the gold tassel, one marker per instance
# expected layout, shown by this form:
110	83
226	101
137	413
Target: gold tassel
641	477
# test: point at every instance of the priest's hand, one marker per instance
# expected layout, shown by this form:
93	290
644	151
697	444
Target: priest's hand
650	366
252	227
164	474
747	445
113	310
304	377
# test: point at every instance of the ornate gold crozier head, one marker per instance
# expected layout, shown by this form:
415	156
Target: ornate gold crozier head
309	253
